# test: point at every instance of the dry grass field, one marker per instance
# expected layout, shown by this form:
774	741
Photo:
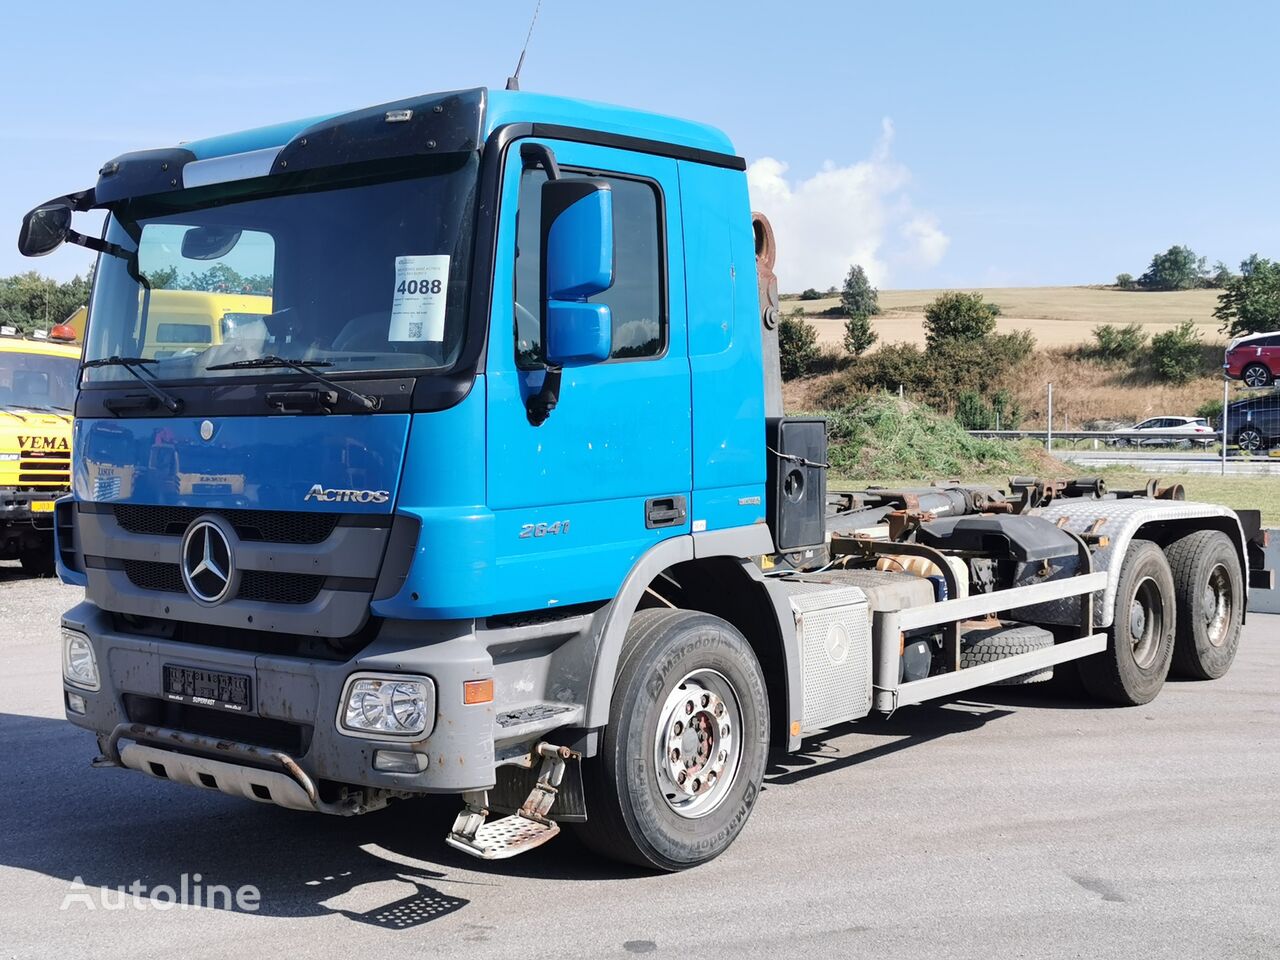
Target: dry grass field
1056	316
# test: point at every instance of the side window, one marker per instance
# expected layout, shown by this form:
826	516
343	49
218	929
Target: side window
636	297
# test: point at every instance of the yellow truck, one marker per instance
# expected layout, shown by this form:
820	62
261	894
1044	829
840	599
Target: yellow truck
37	392
190	321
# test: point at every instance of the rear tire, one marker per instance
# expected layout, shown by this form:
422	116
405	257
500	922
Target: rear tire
1132	669
636	810
1209	587
38	561
1257	375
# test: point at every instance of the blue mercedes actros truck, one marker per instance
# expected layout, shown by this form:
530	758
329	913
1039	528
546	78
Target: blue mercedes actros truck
495	496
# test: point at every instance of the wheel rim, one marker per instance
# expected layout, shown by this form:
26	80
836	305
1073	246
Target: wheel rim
1256	376
1217	605
1250	440
1146	623
698	746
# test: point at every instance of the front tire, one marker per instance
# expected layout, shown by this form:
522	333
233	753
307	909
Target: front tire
1132	669
1250	439
38	561
1256	375
1209	587
682	760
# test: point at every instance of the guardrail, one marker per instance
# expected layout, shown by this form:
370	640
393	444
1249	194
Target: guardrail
1151	438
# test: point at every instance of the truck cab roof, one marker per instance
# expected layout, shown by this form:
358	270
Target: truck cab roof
424	125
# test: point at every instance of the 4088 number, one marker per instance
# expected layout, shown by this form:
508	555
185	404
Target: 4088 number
415	287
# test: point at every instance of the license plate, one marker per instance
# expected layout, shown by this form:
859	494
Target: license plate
207	688
42	506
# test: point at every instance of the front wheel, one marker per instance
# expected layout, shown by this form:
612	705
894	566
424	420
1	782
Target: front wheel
1134	666
1256	375
1250	439
682	760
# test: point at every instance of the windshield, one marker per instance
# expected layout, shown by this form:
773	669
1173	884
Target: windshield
29	381
360	273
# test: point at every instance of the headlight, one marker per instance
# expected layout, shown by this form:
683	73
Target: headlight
79	665
390	706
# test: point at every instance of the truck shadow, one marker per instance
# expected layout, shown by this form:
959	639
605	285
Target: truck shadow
11	571
102	830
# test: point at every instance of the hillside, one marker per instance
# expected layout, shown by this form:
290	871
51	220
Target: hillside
1057	316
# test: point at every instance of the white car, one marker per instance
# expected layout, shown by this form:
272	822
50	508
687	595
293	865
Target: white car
1196	429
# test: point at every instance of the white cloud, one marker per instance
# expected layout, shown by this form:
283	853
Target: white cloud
841	215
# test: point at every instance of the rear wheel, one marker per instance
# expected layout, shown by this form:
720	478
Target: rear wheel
1250	439
1256	375
1133	668
683	757
38	561
1209	587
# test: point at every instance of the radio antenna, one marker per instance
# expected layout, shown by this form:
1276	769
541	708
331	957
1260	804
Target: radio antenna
513	81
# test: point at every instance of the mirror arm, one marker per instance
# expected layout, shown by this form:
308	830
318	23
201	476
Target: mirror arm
539	405
98	245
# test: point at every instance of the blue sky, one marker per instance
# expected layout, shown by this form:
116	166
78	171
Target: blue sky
945	144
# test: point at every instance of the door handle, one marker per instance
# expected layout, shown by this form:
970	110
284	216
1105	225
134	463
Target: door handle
664	512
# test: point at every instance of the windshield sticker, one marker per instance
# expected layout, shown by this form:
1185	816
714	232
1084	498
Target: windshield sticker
417	310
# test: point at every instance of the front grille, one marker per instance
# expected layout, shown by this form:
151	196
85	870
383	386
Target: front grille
262	586
45	469
271	587
151	575
269	526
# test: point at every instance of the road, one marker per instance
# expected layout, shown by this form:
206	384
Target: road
1010	823
1168	462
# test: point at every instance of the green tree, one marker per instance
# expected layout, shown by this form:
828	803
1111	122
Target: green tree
1124	281
1176	355
1250	302
858	335
810	294
959	316
1178	268
797	345
859	298
1220	276
30	301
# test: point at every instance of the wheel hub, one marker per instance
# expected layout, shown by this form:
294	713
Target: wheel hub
698	747
1217	605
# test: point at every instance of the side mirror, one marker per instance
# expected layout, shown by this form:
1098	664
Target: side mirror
577	259
44	229
209	243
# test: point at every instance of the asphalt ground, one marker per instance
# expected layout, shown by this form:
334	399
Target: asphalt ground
1008	823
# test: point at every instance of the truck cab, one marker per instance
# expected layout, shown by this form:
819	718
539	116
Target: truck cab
502	503
37	392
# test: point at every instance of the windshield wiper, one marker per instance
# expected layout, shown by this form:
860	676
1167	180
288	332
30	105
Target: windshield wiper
172	403
303	367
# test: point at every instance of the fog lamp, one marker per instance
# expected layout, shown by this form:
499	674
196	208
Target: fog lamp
399	761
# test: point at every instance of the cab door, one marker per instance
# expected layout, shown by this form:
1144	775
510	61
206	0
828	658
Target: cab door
577	499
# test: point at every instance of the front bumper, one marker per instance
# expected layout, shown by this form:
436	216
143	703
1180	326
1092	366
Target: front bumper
294	708
288	749
26	509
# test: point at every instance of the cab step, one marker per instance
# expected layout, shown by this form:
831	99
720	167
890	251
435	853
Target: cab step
527	828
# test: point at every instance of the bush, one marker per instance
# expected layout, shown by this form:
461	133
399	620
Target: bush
1118	344
797	346
881	437
1211	410
1177	355
1125	281
963	317
810	294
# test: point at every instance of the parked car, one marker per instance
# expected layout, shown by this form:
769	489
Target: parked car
1253	424
1255	359
1196	429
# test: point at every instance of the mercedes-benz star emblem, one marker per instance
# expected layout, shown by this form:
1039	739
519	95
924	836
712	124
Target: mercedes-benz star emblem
208	568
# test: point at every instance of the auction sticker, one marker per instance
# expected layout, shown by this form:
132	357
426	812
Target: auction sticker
417	310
